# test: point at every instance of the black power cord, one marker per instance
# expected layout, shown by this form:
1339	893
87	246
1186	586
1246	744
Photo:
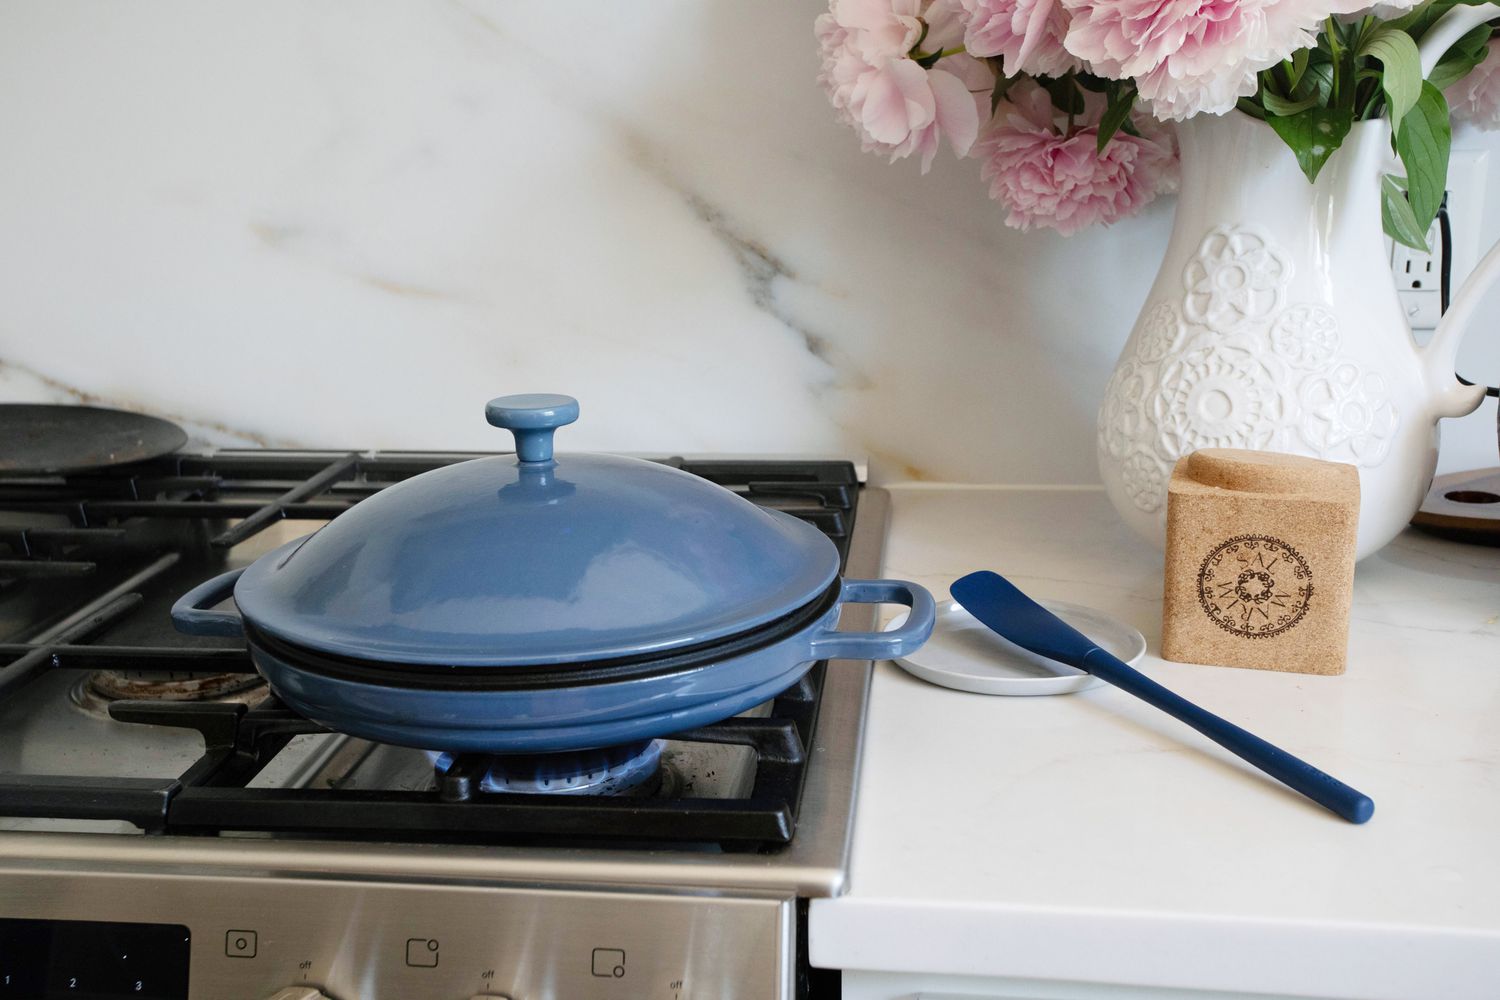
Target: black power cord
1445	275
1445	243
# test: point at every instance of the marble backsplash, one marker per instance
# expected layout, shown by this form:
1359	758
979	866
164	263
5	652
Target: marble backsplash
334	224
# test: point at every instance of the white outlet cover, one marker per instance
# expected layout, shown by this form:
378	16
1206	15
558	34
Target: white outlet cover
1468	170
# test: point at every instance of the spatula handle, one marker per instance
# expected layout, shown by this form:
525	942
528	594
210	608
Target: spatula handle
1322	788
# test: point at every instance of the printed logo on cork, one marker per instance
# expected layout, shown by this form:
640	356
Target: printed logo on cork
1255	586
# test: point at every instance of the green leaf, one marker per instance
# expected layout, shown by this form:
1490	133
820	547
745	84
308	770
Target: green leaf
1401	76
1423	148
1282	106
1414	20
1421	17
1321	75
1116	114
1250	108
1298	67
1475	43
1066	97
1451	70
1002	86
1313	135
1396	216
1466	53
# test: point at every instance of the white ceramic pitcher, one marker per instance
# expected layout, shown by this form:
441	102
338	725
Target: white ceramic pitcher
1274	324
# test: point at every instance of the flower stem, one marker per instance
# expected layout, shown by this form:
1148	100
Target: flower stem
935	56
1331	28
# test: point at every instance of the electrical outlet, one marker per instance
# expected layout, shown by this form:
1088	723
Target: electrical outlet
1419	276
1418	270
1423	310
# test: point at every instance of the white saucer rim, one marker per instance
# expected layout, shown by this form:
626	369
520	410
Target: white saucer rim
1020	686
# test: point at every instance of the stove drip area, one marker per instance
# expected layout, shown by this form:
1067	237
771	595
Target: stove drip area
97	690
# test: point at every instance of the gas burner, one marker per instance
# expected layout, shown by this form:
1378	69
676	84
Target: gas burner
631	769
95	691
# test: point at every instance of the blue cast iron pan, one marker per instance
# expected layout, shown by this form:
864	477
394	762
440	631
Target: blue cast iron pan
540	602
564	707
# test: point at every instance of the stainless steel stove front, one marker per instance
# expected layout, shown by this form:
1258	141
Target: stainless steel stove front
253	937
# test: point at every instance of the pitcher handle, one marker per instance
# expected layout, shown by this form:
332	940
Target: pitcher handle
1452	396
1449	28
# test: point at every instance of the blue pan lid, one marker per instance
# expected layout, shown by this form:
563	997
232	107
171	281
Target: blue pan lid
537	559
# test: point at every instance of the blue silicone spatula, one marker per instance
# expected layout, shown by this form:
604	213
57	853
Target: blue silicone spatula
997	603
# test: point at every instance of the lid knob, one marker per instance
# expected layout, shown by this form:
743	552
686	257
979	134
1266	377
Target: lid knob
532	417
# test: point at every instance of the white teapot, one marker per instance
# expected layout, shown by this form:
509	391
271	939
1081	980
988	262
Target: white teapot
1273	324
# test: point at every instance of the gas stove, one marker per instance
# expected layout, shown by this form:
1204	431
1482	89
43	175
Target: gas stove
168	829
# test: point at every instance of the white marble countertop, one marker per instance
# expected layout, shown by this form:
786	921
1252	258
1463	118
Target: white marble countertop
1092	839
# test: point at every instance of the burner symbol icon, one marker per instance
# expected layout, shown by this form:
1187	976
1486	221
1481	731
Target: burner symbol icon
609	963
422	953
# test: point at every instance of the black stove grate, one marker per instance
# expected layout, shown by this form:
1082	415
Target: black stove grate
107	568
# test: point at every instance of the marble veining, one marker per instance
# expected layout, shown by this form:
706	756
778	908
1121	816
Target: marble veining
286	224
18	383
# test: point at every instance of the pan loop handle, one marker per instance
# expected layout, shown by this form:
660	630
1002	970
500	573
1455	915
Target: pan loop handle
828	643
191	614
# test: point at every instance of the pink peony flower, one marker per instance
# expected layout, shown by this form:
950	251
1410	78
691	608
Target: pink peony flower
897	107
1190	56
879	29
1050	176
1026	34
1476	98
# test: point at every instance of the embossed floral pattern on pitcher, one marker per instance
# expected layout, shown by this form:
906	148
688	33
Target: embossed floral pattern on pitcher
1238	368
1274	325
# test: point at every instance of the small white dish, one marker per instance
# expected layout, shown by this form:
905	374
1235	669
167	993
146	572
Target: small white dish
965	655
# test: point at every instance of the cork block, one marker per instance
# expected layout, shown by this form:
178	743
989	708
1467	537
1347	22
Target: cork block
1260	561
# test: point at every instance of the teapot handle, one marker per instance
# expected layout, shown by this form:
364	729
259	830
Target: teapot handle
1451	396
1449	28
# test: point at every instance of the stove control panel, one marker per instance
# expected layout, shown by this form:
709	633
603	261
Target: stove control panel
107	960
214	937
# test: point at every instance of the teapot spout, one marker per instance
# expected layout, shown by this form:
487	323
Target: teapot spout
1451	398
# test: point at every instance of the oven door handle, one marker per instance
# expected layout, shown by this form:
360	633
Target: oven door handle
191	614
